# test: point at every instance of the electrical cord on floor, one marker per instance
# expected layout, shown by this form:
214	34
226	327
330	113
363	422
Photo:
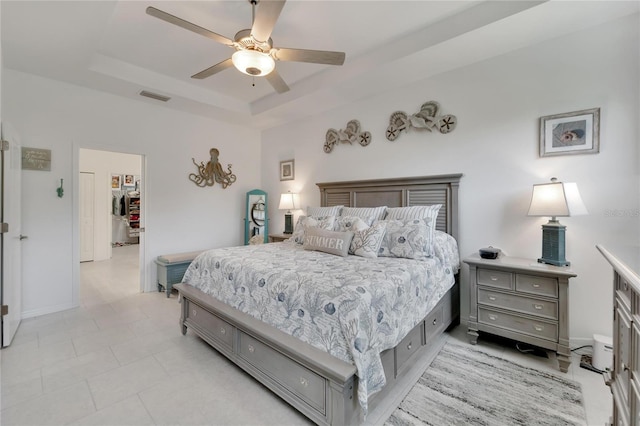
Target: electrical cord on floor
587	362
581	347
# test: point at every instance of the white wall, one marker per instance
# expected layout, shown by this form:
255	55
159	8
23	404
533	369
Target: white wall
498	103
180	216
103	164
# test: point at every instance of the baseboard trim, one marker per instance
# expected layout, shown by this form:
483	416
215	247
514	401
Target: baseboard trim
47	310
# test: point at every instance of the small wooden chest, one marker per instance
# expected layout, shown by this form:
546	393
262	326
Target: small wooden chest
171	269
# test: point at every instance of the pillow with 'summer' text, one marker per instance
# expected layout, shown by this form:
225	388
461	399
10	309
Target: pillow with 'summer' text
331	242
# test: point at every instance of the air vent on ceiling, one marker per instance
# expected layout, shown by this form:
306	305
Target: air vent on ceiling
154	96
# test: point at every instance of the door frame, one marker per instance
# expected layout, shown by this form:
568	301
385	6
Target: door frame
75	256
11	241
82	201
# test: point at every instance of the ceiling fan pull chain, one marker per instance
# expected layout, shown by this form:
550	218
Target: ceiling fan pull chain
253	83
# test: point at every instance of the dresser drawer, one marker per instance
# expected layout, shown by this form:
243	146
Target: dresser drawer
304	383
408	346
543	286
492	278
210	324
528	305
541	329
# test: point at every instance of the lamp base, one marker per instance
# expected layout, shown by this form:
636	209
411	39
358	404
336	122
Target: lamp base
288	223
553	262
553	244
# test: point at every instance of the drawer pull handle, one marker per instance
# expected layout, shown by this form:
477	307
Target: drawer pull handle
624	366
409	346
535	285
435	320
223	330
493	278
538	327
251	348
538	307
493	317
304	382
194	312
492	298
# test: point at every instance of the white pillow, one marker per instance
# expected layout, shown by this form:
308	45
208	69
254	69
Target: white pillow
323	211
366	243
413	212
374	213
305	222
350	223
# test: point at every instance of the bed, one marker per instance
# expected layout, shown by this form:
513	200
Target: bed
314	364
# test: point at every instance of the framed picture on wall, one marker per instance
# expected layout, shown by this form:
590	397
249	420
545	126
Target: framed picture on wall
575	132
116	182
287	171
129	182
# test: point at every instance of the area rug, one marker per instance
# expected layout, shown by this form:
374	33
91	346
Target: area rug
465	386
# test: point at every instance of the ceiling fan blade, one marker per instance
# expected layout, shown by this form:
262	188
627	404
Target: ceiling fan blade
313	56
157	13
220	66
277	82
266	16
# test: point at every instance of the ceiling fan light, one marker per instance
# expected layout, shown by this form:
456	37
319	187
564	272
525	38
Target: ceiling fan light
252	62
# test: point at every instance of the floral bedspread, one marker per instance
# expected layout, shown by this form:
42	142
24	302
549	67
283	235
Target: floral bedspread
351	307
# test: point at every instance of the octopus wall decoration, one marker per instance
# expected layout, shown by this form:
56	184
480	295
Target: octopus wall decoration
349	135
426	118
212	172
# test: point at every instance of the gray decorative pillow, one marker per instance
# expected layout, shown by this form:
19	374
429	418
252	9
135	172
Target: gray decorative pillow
404	239
305	222
350	223
366	243
427	213
367	213
323	211
331	242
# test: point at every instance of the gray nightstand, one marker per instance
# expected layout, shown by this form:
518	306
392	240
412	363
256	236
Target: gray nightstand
276	238
522	300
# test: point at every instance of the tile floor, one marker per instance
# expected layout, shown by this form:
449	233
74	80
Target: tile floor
119	359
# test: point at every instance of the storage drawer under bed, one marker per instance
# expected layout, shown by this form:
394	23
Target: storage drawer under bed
306	384
408	346
209	324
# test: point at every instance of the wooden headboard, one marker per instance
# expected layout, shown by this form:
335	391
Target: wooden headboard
399	192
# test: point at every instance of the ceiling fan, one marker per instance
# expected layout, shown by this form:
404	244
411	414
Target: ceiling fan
255	54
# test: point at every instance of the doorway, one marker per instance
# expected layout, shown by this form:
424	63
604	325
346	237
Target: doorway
110	218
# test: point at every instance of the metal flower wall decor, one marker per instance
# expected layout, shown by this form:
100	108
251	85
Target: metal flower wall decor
427	118
349	135
212	172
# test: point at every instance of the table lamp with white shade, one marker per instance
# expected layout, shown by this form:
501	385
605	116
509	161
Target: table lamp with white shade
555	199
288	201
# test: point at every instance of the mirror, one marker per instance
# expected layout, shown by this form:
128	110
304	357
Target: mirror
258	211
256	222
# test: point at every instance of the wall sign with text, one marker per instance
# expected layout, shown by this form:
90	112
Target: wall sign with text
36	159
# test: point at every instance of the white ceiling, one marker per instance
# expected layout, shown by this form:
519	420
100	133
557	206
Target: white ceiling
115	47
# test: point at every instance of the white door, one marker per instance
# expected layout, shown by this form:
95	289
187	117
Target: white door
87	201
11	247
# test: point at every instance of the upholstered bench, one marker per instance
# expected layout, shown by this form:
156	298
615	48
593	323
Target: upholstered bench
171	268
